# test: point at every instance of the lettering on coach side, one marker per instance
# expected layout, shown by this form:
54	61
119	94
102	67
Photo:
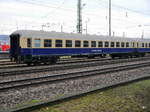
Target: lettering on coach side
96	50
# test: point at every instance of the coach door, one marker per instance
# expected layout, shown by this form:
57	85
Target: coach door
135	46
14	46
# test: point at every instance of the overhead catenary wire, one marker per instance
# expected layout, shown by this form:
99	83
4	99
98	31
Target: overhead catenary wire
123	8
61	8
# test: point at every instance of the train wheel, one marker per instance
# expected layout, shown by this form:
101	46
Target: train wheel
103	55
112	57
131	56
36	63
29	64
91	56
46	63
11	59
53	60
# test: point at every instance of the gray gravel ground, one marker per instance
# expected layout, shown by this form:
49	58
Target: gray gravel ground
36	75
42	92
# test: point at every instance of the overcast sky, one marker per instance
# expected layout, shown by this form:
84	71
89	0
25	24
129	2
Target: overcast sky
129	16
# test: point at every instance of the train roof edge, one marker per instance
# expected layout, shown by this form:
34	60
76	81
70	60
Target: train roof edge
59	35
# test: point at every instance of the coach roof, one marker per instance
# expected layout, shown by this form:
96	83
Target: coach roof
61	35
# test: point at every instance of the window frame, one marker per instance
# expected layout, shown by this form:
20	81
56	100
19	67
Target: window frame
117	44
106	45
29	45
67	44
76	44
85	44
93	44
146	45
60	44
143	45
35	43
47	42
127	45
137	45
133	45
122	45
100	45
112	45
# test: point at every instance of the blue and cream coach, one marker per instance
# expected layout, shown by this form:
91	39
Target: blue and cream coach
28	46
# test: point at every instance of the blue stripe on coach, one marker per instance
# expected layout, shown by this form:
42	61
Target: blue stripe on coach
74	51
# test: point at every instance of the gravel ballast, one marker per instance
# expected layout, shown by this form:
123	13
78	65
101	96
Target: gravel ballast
43	92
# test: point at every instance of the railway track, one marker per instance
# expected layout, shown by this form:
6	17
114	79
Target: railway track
3	61
13	65
34	69
6	62
65	77
9	65
59	77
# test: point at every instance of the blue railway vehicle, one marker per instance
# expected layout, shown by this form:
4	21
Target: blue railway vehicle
33	47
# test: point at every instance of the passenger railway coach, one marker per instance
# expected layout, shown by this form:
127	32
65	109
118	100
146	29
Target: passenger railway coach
27	46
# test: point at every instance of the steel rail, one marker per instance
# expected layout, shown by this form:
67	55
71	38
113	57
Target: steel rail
67	66
61	77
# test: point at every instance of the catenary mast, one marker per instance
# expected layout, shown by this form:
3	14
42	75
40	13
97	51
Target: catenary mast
79	17
110	18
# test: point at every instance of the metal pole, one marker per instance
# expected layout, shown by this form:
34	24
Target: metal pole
123	34
61	28
86	28
142	34
110	18
42	27
79	17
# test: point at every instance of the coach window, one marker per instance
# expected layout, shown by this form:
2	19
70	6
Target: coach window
127	44
137	45
85	43
149	44
143	45
68	43
47	43
37	43
117	44
112	44
93	43
77	43
106	44
133	45
122	44
100	44
58	43
29	42
146	45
